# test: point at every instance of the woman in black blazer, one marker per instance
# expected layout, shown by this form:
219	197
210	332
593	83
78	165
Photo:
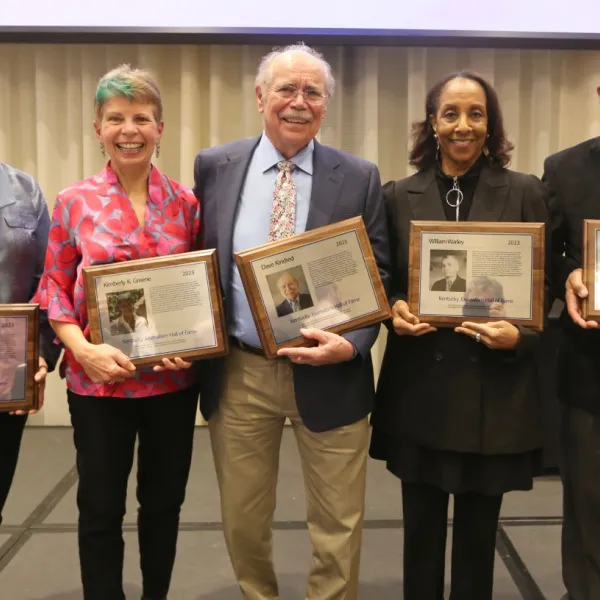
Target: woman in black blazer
457	409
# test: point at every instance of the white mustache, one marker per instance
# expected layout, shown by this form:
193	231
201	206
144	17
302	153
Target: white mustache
305	116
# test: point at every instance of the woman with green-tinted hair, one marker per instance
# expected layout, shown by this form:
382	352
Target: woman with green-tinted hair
129	210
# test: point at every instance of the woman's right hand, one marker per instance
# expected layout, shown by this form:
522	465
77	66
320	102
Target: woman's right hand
104	363
405	323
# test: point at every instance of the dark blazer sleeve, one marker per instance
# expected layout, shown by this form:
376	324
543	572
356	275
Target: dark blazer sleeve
375	220
397	285
199	193
561	265
398	279
535	210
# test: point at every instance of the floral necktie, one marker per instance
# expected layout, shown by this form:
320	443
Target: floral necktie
283	213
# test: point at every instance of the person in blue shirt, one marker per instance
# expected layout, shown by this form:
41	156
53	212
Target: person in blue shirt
24	225
253	191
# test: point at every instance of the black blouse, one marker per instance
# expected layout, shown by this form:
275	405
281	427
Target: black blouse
466	183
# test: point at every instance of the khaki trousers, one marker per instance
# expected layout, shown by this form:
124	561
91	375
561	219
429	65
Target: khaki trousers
246	436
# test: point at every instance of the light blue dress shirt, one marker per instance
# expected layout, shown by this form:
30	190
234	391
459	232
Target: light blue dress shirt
251	227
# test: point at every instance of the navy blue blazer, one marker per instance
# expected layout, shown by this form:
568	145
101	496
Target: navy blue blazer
343	186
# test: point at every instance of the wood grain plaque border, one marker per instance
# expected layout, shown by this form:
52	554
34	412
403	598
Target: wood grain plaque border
245	259
591	269
537	230
31	312
135	266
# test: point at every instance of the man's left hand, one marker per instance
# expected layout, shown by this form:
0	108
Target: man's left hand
331	349
40	379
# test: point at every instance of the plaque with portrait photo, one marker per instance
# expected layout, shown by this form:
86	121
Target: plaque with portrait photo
477	271
325	278
157	308
19	356
590	306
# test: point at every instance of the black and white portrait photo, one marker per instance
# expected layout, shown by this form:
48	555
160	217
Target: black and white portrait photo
447	271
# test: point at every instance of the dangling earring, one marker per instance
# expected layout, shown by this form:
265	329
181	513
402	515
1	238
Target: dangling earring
437	146
486	150
102	150
158	149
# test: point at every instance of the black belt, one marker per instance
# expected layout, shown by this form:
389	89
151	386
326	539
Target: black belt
245	347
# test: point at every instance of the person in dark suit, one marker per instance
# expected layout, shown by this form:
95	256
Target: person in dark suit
457	409
452	282
253	191
293	302
572	178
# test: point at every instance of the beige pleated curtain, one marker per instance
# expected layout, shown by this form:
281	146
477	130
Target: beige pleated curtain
47	91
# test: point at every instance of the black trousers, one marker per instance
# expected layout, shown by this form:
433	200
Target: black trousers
11	432
105	432
580	466
473	543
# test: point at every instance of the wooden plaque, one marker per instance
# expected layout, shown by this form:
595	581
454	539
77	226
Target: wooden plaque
590	306
157	308
477	271
325	278
19	356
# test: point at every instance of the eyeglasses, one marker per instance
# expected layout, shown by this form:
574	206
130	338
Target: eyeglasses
310	95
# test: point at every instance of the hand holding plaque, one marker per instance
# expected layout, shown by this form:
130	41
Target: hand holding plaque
155	308
325	278
478	272
19	357
590	305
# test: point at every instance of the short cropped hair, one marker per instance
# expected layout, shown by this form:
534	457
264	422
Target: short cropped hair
133	84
